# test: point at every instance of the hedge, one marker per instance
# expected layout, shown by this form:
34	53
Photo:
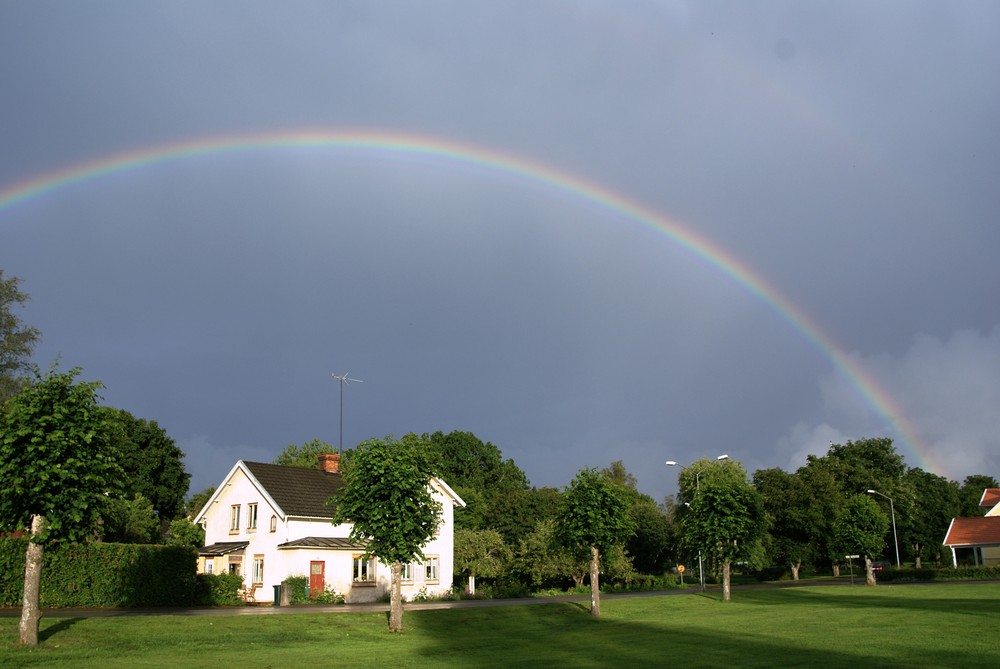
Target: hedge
943	574
104	575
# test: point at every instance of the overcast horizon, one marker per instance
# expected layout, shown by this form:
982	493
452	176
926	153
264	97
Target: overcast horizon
844	153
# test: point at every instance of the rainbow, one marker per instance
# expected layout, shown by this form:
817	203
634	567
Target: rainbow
520	168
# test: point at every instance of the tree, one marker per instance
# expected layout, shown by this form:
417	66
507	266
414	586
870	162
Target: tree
183	532
387	497
305	455
788	502
17	340
860	528
936	503
56	472
594	515
726	517
198	501
971	493
131	521
543	558
153	463
480	553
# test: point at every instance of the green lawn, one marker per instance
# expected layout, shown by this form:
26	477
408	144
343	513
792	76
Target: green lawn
943	625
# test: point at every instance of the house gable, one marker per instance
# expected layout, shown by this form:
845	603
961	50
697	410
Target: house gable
991	500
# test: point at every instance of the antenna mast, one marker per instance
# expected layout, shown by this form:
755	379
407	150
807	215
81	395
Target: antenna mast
343	378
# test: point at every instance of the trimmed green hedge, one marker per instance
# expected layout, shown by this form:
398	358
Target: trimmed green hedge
103	575
944	574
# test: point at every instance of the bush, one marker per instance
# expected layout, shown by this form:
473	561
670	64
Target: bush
219	589
102	574
298	592
944	574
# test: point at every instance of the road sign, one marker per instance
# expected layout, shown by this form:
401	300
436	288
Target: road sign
852	557
680	569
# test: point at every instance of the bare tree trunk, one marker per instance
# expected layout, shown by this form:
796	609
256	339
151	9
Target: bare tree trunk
726	589
795	570
595	588
869	572
31	614
396	598
836	569
472	584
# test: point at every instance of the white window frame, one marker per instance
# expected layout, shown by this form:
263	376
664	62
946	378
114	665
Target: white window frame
409	568
258	570
432	569
363	572
252	517
234	519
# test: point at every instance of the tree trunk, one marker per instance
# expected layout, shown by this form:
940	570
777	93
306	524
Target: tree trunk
869	572
30	612
917	563
795	570
472	584
836	570
595	588
396	598
726	588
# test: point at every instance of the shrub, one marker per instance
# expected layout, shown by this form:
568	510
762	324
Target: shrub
298	592
219	589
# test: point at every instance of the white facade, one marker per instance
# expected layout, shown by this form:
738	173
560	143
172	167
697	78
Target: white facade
250	532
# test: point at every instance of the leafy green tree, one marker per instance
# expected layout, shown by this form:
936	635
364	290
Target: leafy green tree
198	501
936	503
305	455
480	553
153	463
183	532
131	521
57	472
17	340
726	517
788	502
594	515
650	542
860	528
543	559
386	496
516	513
971	493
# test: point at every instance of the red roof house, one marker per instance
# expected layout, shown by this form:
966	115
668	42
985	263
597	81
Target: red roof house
981	534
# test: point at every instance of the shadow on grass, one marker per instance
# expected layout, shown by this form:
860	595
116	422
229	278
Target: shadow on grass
564	635
51	630
870	598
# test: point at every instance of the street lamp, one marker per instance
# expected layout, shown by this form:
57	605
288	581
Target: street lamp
697	485
892	510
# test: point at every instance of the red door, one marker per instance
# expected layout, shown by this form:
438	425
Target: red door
317	581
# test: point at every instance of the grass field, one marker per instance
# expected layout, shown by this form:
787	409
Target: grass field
951	625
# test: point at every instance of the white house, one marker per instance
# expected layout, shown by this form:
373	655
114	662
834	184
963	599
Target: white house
269	522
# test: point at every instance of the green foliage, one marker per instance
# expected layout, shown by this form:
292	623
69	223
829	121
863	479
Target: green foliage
183	532
515	513
298	592
726	517
923	523
481	552
17	341
542	559
594	512
218	589
152	462
54	460
860	527
387	498
198	501
305	455
971	493
131	521
101	574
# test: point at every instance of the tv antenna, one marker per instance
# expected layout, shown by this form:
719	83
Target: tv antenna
344	379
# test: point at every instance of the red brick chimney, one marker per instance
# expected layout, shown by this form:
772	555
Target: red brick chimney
329	463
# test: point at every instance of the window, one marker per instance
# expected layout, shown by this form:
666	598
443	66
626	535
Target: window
251	517
234	519
364	570
235	564
407	573
209	566
258	569
274	523
432	568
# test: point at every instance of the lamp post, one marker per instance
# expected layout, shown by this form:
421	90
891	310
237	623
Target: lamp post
892	510
697	486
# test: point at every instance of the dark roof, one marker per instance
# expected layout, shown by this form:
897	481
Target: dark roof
979	531
297	490
223	548
323	542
